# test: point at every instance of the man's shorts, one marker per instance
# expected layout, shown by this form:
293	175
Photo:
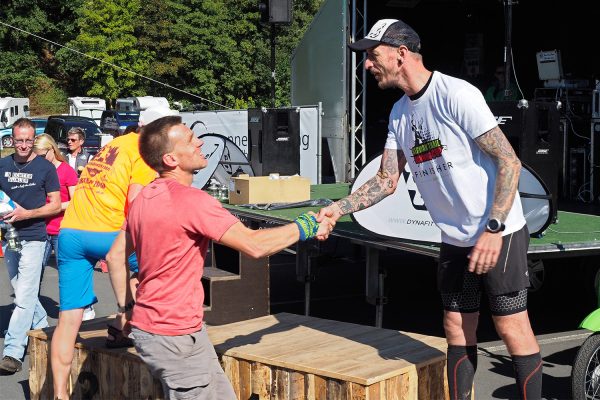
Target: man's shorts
78	252
509	276
186	365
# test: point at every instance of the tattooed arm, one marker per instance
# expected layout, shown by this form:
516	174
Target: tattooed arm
485	253
495	144
373	191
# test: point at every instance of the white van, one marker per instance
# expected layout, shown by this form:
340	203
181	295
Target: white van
90	107
141	103
11	109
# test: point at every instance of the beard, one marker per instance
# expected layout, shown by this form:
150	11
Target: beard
385	84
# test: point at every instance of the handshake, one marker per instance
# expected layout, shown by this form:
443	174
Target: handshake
317	226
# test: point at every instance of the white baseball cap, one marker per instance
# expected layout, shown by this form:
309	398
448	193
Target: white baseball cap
389	31
153	113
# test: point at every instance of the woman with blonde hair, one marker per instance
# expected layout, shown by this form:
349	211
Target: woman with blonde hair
45	146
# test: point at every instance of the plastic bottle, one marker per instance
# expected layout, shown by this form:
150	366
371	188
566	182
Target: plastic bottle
6	204
213	188
12	239
224	193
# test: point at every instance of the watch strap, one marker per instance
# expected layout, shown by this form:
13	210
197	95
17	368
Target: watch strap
127	307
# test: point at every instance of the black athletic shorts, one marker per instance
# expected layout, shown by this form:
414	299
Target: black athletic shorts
504	284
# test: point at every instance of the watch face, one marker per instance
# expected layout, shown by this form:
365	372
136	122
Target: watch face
493	225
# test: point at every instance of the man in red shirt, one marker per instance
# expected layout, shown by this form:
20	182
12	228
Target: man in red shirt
170	225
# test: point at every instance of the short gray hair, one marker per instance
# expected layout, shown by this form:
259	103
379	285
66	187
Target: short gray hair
77	131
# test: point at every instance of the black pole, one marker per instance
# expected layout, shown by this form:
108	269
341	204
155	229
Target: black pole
273	65
507	46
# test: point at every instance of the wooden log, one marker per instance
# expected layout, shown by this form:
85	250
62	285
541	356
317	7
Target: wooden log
320	388
231	369
245	369
297	386
261	381
357	392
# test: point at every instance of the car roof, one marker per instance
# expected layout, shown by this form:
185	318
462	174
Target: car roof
31	119
71	118
121	112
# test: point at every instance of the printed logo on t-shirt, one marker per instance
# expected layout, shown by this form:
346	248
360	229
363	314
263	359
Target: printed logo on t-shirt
103	161
22	178
426	146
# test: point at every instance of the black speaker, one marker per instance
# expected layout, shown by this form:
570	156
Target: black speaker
274	141
541	144
276	11
255	136
510	119
536	136
595	160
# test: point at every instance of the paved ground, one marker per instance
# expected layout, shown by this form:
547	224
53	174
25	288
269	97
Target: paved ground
413	306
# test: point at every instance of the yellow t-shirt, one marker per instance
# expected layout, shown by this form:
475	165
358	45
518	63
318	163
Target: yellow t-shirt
100	199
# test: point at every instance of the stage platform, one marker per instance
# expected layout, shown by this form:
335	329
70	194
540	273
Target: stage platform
575	235
282	356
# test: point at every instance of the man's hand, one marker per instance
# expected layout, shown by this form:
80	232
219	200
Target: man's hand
18	214
484	255
124	322
326	226
332	212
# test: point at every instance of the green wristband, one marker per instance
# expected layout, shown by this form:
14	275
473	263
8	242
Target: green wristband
307	225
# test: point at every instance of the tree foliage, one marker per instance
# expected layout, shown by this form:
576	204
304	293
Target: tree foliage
106	30
212	52
46	97
25	59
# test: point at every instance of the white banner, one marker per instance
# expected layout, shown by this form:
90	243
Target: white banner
233	124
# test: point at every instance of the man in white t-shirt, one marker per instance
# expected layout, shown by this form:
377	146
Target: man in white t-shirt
467	174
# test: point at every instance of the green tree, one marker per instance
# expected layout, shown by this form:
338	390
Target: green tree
106	34
219	47
228	51
46	97
26	57
156	32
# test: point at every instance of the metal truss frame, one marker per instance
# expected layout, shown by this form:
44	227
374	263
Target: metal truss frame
358	90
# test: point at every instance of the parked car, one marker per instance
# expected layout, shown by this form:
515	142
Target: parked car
6	139
59	125
115	122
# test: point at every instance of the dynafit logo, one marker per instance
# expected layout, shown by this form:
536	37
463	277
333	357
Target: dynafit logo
426	147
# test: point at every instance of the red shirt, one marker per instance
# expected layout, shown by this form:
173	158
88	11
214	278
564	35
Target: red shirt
171	226
66	177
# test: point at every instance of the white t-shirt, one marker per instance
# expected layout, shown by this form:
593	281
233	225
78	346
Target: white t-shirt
455	177
72	160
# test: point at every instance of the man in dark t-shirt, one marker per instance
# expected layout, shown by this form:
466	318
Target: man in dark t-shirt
28	180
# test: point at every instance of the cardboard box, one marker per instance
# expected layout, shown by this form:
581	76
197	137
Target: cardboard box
268	189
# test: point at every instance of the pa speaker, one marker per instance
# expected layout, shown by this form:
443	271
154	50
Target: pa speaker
274	141
535	134
280	11
541	144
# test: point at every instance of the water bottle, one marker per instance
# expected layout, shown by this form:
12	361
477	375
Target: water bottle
6	204
213	188
224	193
12	239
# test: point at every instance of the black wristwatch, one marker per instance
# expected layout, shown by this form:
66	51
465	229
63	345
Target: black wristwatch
127	307
494	225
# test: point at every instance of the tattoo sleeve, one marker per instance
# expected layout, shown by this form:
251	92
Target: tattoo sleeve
378	187
494	143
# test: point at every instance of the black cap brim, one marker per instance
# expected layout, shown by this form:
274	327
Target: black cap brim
363	44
